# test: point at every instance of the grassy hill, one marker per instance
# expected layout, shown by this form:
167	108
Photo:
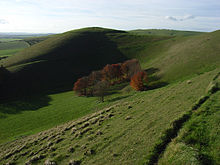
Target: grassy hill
129	127
164	32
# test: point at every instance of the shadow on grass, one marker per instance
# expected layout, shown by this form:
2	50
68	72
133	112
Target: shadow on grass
154	81
116	88
24	104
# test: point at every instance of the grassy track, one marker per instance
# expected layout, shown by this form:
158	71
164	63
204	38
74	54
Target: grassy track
198	141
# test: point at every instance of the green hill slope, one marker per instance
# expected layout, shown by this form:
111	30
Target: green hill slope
164	32
181	57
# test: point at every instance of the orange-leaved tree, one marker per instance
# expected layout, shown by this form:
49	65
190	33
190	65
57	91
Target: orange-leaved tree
81	86
139	80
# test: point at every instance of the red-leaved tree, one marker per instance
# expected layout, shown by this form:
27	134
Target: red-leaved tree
112	73
94	78
81	86
138	81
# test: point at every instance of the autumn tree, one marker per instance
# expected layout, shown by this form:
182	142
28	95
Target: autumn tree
101	89
107	73
138	81
81	86
130	67
117	72
94	78
112	73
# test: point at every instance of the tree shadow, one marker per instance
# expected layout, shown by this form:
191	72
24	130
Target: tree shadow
24	104
154	81
116	88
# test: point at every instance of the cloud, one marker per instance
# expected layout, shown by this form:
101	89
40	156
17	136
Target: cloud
171	18
3	21
184	18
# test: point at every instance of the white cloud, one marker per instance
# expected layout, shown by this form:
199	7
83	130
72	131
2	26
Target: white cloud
183	18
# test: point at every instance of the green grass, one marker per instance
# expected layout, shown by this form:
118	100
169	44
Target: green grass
33	114
123	141
198	141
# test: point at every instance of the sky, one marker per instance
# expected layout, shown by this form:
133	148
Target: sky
56	16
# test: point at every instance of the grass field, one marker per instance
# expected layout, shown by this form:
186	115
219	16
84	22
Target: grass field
127	136
34	114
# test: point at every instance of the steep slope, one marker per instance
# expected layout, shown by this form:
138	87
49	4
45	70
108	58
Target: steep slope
187	56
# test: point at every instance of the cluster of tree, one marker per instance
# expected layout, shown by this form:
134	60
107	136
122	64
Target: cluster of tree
97	83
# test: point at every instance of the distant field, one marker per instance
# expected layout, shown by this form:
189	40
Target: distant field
9	47
8	39
17	44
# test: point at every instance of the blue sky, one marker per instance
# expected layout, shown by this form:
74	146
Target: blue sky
55	16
